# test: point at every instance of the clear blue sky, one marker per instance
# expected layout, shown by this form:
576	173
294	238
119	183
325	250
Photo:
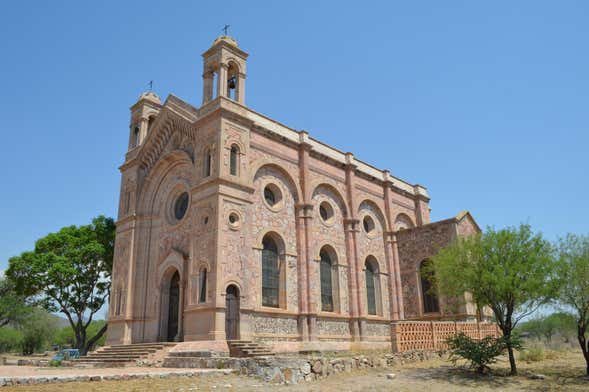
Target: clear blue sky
487	105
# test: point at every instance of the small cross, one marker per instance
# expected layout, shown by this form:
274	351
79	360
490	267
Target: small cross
225	29
150	85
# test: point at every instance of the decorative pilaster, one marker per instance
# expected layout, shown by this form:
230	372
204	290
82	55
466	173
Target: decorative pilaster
222	80
207	94
393	296
307	303
302	270
398	285
240	93
352	229
349	228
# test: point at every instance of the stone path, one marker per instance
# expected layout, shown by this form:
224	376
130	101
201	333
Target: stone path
17	375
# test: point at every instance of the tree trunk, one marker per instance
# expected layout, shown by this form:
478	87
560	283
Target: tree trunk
81	340
95	338
581	329
507	334
513	371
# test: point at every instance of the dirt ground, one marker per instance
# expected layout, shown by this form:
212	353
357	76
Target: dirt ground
563	373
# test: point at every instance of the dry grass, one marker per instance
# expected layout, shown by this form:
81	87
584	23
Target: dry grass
564	371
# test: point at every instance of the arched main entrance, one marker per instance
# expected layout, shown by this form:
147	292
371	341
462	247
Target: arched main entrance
232	313
173	307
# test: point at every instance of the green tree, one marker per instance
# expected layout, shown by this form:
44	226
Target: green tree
573	273
546	327
508	270
10	339
65	336
13	306
37	329
69	272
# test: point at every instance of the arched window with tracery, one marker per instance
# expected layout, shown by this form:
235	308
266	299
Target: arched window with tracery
429	296
325	269
233	160
270	273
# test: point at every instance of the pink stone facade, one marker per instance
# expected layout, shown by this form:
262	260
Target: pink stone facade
174	273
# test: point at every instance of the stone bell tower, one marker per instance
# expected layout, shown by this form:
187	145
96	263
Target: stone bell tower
224	71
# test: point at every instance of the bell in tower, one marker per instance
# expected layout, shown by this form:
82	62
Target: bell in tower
224	71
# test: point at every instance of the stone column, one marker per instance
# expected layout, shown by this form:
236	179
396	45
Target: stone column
307	321
240	93
207	91
302	272
393	296
351	237
399	286
143	123
421	205
131	284
360	293
180	334
352	283
222	80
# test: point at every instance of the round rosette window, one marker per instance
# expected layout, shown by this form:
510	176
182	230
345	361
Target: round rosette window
368	224
273	197
326	213
181	206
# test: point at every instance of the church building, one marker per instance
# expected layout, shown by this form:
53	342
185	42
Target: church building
233	226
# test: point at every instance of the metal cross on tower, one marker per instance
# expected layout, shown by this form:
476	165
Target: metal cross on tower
225	29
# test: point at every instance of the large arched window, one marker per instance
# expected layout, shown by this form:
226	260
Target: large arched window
270	273
326	281
233	160
372	286
428	294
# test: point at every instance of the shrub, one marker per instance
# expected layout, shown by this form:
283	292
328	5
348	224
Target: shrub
532	354
54	363
479	353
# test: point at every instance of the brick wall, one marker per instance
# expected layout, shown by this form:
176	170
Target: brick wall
432	335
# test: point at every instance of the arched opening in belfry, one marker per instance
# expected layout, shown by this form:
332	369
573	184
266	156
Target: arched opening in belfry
232	81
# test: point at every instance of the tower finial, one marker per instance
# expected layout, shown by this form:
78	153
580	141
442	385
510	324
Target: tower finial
225	29
150	85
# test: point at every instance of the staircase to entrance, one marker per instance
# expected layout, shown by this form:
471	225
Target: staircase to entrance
123	354
247	348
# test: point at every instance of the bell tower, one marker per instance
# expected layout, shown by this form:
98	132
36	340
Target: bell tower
224	71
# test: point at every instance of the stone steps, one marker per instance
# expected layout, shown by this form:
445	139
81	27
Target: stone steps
121	354
247	348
